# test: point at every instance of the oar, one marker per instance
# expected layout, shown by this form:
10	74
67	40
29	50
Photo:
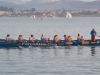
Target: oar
76	43
30	47
97	35
20	47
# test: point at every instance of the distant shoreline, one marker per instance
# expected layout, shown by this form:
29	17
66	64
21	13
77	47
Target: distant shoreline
52	17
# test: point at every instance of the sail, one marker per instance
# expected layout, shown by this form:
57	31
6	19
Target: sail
68	15
34	17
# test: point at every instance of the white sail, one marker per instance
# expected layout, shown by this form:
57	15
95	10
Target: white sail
68	15
34	17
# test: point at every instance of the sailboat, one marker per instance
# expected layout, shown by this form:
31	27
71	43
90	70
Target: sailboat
34	17
54	16
68	15
41	18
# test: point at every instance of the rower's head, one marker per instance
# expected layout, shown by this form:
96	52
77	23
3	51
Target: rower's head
56	35
42	35
31	35
81	36
93	29
8	35
20	35
78	34
64	35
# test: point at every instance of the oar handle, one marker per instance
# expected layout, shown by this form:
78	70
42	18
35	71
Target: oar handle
97	35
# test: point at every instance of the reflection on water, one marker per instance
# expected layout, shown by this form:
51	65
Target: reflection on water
31	50
7	50
93	51
55	52
7	53
50	61
80	50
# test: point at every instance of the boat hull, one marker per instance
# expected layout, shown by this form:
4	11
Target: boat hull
38	43
47	44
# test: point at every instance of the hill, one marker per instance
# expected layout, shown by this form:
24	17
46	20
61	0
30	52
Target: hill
74	5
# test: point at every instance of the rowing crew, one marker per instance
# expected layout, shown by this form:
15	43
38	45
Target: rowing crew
80	39
67	39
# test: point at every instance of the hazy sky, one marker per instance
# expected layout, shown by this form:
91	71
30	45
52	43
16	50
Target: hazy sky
24	1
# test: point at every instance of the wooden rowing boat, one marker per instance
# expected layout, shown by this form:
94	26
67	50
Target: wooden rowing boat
38	43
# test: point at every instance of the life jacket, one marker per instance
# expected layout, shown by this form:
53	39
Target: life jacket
43	40
19	40
66	40
93	33
78	39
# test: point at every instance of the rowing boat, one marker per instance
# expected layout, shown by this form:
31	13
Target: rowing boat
38	43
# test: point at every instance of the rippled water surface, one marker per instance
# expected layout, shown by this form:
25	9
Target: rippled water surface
49	61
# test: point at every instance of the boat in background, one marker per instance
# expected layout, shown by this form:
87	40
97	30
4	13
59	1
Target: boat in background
33	17
54	16
41	18
68	15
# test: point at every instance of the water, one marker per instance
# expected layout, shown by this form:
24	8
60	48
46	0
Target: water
49	27
49	61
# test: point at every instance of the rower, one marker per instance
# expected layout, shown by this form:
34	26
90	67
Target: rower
70	39
79	39
83	41
93	34
8	39
56	39
47	40
65	38
43	40
31	39
20	38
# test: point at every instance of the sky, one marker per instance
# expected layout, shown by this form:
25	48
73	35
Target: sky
25	1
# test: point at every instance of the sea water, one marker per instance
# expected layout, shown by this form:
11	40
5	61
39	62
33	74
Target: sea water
49	60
